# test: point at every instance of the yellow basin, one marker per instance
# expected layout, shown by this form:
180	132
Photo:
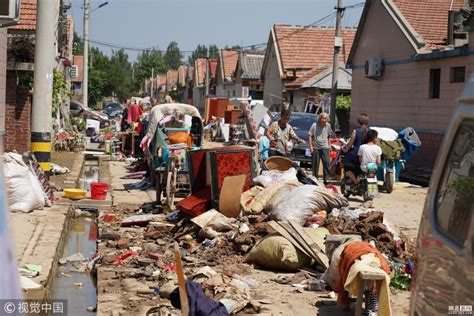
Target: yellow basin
75	194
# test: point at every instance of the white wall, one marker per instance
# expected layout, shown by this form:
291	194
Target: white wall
273	84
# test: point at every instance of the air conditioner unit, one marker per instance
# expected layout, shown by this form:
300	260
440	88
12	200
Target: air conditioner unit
374	68
9	12
74	71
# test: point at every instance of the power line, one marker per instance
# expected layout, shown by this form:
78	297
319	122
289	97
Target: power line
325	19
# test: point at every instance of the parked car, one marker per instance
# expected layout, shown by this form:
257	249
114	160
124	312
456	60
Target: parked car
443	276
112	109
301	123
77	109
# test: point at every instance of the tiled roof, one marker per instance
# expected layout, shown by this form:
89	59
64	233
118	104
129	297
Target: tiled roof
27	16
182	72
304	47
316	71
429	18
251	65
228	61
171	79
160	81
200	70
212	67
78	60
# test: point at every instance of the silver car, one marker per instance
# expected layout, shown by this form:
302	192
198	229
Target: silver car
443	282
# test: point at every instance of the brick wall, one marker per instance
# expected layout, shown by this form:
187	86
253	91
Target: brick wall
17	116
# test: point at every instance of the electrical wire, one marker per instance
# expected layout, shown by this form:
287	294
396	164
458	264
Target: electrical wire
318	22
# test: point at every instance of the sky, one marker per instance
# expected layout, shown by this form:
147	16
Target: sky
140	24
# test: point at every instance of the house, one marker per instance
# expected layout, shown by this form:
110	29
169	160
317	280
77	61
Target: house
199	81
410	61
171	81
160	88
20	70
296	51
226	87
247	75
185	83
77	71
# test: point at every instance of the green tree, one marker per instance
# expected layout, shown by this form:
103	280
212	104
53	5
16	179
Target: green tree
233	47
78	44
213	51
120	76
173	56
146	61
199	52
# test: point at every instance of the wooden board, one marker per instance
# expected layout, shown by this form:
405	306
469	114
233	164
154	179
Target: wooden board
279	229
183	294
320	256
229	198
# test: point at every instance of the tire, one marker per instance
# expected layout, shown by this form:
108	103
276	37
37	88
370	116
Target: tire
366	197
171	186
343	191
388	182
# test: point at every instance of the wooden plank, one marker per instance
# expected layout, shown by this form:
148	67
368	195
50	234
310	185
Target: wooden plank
287	235
183	294
320	256
297	238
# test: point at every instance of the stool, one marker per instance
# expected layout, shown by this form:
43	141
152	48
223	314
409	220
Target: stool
367	279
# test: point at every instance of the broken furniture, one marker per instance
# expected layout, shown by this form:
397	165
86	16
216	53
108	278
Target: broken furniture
209	167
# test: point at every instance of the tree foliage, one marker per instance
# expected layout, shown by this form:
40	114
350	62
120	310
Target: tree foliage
173	56
201	52
146	61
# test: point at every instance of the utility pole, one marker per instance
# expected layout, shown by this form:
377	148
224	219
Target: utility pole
85	75
151	86
335	64
45	54
207	72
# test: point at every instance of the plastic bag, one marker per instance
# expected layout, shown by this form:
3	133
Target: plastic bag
25	193
276	252
297	204
274	176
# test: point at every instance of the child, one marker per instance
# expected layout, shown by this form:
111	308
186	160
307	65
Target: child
370	152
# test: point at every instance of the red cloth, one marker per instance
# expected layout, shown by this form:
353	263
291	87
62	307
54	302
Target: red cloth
134	113
350	254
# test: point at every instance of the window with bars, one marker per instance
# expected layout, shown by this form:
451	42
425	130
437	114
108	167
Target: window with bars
457	74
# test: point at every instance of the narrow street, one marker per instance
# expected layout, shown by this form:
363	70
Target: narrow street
215	158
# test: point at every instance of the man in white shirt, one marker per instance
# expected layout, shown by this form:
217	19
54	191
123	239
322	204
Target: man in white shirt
370	152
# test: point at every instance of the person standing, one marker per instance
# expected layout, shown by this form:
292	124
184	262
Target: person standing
280	134
319	135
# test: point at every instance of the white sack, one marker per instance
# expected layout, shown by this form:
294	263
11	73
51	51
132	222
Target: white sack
24	190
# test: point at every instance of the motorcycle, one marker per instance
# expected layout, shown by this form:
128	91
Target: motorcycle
367	186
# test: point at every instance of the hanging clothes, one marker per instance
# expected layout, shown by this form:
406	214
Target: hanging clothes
134	113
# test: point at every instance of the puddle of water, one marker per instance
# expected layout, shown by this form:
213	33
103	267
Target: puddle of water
82	236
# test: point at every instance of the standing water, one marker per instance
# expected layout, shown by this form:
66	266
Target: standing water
72	281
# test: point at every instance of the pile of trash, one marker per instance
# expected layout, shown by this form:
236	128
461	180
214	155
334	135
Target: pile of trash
371	226
285	223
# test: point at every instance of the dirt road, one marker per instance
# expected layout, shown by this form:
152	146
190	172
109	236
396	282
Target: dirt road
126	287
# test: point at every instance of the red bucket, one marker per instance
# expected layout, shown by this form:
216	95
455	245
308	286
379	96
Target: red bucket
99	190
